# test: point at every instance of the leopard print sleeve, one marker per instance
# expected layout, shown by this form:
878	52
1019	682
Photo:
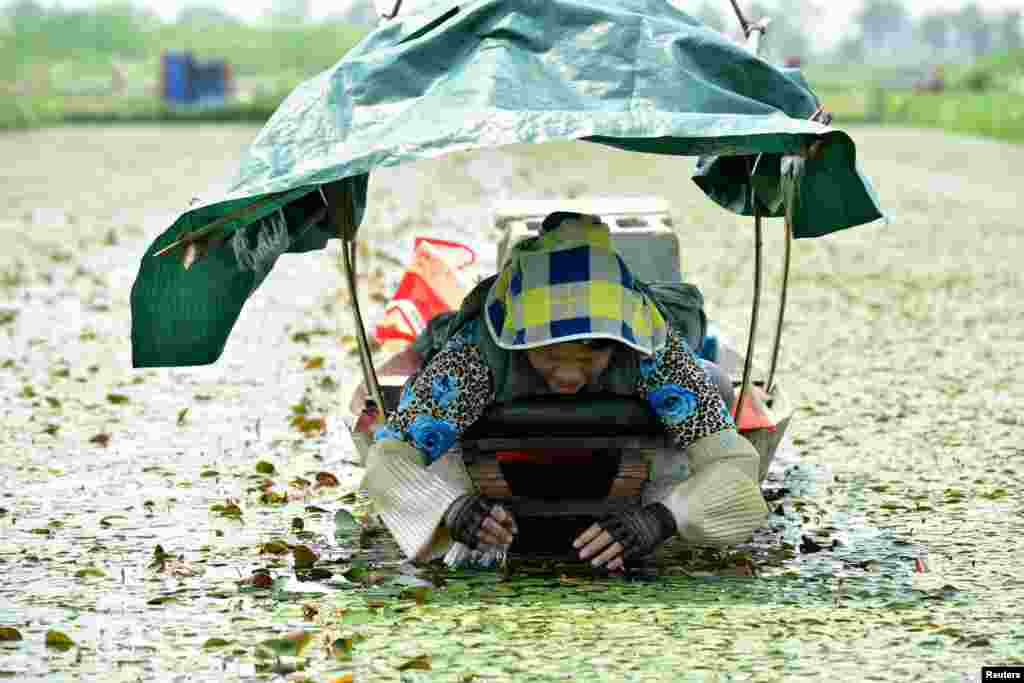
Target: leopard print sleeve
680	392
446	397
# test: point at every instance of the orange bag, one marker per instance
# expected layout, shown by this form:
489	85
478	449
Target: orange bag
435	282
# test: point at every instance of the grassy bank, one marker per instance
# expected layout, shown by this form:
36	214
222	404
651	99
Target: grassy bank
983	98
46	80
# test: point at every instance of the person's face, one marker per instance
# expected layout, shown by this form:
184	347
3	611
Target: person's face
569	366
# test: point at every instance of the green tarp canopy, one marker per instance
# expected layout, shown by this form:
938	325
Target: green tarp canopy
639	75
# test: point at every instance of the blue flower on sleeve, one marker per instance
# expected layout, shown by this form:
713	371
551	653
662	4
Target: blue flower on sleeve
673	403
432	436
648	365
387	432
444	389
408	396
726	415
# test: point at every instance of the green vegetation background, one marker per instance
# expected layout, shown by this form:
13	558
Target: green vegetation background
58	69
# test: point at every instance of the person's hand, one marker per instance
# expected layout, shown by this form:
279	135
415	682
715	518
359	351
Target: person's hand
473	519
633	533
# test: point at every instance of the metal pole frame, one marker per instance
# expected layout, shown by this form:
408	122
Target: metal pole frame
788	227
348	267
748	362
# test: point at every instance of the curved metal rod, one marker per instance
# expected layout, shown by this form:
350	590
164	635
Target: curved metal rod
782	298
348	262
748	362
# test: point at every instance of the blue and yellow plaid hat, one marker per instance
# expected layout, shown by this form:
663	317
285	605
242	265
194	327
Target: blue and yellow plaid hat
569	284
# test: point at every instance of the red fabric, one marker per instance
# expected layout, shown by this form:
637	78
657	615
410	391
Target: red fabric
431	285
754	416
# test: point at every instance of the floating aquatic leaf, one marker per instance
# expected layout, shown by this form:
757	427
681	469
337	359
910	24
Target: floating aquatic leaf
102	440
207	474
27	392
310	426
214	643
291	645
258	579
304	557
314	362
58	641
228	509
298	524
326	480
51	429
41	531
420	663
53	402
345	523
274	548
90	572
108	521
9	634
182	417
264	467
117	399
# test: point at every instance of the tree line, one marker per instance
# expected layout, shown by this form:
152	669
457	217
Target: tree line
880	31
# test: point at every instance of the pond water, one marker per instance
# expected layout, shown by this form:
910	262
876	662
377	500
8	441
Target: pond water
160	519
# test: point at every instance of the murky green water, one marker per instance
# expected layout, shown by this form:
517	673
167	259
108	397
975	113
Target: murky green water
901	352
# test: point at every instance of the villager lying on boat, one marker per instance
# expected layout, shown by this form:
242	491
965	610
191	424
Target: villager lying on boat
564	316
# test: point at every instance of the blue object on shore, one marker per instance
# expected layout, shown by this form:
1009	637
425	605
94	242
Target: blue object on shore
191	82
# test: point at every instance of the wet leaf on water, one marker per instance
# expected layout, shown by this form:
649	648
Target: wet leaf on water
9	634
274	548
270	497
996	494
341	648
258	579
420	663
102	440
264	467
51	429
291	645
304	557
328	383
298	524
108	521
182	417
90	572
203	397
314	362
326	480
27	392
207	474
58	641
41	531
53	402
214	643
227	509
117	399
310	426
345	523
7	317
161	600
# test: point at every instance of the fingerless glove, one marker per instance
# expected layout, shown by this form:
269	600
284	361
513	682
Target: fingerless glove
640	531
465	516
